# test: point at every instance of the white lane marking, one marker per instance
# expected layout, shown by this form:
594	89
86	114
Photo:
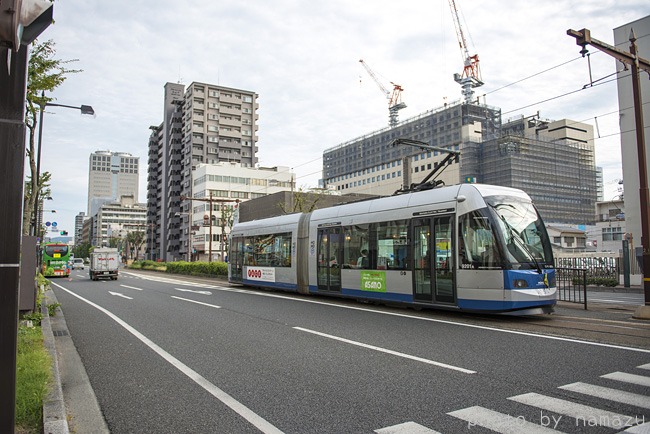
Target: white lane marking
406	428
499	422
245	412
610	394
402	315
131	287
384	350
195	292
584	414
628	378
120	295
646	366
197	302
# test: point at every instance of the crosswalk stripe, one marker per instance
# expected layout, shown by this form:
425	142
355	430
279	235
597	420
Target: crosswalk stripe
499	422
406	428
628	378
610	394
584	414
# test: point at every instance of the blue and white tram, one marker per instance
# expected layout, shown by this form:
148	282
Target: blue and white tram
469	247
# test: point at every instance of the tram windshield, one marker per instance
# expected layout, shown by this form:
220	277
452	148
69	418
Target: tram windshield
522	232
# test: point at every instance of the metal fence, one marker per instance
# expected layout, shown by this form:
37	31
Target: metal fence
572	284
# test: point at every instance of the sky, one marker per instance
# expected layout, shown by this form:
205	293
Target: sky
302	59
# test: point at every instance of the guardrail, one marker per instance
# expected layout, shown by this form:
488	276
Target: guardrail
572	285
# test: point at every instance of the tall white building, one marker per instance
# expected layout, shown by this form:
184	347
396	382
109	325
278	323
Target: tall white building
111	175
629	152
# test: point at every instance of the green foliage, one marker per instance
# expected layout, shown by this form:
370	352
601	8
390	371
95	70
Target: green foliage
198	268
148	265
597	281
82	250
44	74
32	379
51	308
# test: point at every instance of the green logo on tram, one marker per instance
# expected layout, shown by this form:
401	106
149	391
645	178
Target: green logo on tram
373	281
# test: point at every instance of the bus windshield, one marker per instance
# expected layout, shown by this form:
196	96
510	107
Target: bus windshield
522	230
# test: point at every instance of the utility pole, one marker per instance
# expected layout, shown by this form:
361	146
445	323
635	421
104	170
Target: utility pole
210	200
583	38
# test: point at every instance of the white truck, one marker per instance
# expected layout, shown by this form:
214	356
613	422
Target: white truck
104	263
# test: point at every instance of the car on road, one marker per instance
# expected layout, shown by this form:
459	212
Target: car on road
78	263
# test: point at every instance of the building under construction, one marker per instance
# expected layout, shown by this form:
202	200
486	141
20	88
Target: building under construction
553	161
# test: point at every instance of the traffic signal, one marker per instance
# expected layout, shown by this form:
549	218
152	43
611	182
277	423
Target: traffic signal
64	232
21	21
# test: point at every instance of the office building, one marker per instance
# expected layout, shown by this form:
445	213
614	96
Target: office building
111	175
371	164
78	228
202	124
223	186
115	220
552	161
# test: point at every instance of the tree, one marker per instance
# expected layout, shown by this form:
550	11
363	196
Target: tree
45	192
305	201
136	240
82	250
44	73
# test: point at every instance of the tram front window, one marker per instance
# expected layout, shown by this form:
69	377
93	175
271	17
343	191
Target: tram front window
522	231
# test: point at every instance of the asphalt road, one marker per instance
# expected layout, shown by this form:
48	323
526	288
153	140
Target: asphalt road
169	354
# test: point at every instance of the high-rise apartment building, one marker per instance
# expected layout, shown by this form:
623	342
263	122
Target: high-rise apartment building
202	123
111	175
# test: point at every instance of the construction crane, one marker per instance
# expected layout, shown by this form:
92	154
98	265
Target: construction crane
471	76
394	98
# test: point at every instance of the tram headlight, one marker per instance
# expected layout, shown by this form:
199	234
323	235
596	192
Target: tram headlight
520	283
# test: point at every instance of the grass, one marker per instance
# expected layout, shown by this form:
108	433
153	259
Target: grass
32	379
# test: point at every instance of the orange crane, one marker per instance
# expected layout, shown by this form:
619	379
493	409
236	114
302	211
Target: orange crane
471	76
394	98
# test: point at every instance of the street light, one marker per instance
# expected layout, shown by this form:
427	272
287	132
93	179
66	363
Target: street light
85	110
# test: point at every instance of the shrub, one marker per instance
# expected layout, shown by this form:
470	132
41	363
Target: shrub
198	268
32	378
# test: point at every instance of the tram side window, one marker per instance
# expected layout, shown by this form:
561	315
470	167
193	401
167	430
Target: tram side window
355	242
478	246
272	250
392	245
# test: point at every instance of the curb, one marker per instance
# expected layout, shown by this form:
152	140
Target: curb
54	416
72	406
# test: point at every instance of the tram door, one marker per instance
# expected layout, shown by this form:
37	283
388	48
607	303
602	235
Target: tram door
432	266
236	258
330	249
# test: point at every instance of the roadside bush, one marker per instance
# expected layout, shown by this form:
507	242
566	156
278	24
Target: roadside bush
148	265
198	268
597	281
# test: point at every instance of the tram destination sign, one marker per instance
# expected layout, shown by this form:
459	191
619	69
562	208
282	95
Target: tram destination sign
434	211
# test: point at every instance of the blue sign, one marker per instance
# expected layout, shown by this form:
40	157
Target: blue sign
47	223
53	223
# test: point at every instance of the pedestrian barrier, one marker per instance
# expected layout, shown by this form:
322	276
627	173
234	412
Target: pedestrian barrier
572	284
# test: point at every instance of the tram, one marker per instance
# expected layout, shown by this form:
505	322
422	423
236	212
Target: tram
467	247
